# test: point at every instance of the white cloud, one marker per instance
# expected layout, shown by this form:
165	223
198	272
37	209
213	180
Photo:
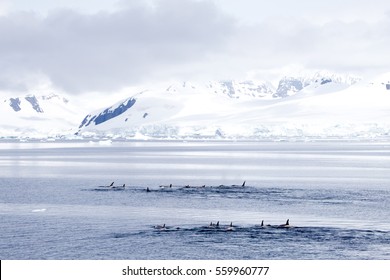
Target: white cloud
253	11
104	51
149	41
355	47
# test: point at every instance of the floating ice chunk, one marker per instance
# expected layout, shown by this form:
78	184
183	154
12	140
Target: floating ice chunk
39	210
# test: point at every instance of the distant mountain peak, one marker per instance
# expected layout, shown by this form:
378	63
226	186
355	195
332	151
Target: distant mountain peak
35	102
241	89
54	96
291	85
288	86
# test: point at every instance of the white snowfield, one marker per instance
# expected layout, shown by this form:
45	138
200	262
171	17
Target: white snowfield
44	116
322	106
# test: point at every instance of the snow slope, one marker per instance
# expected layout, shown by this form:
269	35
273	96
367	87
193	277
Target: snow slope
319	106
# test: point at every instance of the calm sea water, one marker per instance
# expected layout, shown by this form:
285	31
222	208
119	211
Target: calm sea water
335	194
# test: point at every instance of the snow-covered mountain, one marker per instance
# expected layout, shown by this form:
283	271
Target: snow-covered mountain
316	106
291	85
320	105
37	115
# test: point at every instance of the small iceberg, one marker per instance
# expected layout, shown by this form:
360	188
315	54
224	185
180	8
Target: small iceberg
39	210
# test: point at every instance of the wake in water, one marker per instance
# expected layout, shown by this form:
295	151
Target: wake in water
262	242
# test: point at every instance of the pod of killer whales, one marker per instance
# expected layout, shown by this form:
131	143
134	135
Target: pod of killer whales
170	186
212	225
216	226
112	187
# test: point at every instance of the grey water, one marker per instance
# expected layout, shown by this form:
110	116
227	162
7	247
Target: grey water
55	203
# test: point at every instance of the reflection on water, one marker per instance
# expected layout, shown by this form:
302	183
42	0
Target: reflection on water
329	164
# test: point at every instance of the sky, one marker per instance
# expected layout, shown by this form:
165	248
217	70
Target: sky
80	46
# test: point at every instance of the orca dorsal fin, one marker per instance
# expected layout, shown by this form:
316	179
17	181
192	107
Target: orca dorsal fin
243	184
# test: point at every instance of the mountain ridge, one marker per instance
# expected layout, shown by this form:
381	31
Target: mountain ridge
321	104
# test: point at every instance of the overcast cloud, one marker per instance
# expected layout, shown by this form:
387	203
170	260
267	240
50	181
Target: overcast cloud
151	41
